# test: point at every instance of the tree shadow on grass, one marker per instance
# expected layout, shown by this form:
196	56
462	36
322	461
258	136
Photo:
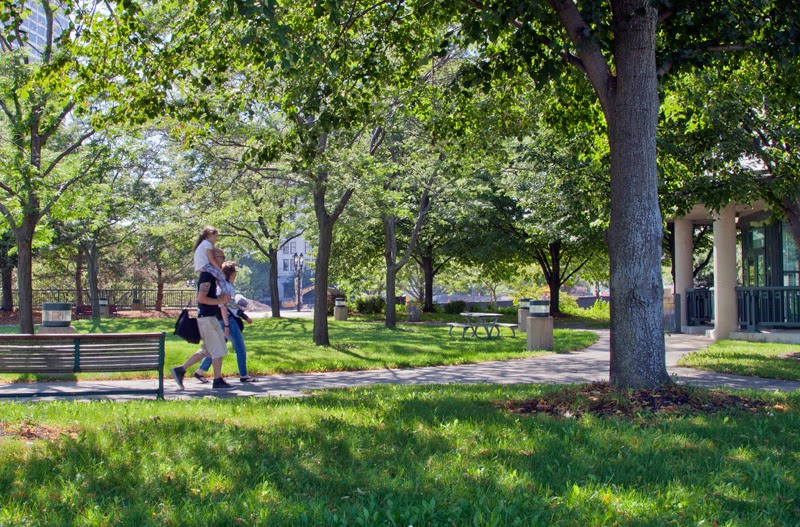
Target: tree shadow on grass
440	456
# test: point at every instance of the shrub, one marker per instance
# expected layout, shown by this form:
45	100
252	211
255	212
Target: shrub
455	307
367	305
567	303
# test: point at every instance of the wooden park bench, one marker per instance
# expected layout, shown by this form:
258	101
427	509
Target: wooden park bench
85	310
83	353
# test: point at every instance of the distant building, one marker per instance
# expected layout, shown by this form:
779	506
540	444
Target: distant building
287	272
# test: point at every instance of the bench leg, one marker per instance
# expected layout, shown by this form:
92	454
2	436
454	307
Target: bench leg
464	333
514	332
451	331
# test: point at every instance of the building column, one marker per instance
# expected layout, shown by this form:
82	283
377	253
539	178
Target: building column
725	315
684	265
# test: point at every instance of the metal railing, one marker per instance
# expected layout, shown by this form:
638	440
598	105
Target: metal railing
122	298
699	306
768	307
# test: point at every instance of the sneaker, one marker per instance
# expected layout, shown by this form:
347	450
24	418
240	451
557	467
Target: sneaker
248	378
178	372
220	384
200	377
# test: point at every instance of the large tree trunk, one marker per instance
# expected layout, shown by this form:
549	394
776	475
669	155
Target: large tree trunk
24	273
7	274
79	276
389	256
7	264
554	280
426	264
274	291
159	288
321	280
637	332
92	258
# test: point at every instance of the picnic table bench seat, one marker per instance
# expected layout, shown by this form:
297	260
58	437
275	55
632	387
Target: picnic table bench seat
459	325
78	353
512	327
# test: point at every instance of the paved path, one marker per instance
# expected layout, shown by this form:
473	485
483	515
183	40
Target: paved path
587	365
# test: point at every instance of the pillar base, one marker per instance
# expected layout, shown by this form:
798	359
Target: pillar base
50	330
522	319
540	333
340	313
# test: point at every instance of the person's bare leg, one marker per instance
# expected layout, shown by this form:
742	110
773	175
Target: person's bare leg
196	357
216	364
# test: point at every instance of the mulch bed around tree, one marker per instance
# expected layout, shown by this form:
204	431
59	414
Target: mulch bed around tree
603	400
11	318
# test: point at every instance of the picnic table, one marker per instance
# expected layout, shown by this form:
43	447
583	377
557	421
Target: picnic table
487	321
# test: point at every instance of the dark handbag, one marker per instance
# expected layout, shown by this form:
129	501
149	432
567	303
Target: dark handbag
239	321
186	327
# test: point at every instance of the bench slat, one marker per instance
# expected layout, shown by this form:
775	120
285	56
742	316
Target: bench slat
55	354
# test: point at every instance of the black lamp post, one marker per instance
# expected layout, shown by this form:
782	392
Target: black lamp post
299	264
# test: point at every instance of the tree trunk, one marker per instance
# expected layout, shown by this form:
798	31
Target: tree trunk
389	256
554	280
637	332
24	273
274	291
321	280
428	273
8	279
92	258
79	276
159	288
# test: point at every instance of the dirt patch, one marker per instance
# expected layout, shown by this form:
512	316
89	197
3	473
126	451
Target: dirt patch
794	356
603	400
30	431
148	313
11	318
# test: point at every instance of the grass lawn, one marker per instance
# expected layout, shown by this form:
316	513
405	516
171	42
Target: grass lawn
393	455
285	346
756	359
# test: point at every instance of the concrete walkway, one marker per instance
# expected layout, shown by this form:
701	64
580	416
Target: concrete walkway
587	365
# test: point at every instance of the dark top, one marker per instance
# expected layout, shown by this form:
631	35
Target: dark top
205	310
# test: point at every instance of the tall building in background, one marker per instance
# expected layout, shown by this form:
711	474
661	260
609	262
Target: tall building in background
35	24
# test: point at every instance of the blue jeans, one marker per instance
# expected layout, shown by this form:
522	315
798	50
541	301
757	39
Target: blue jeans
237	341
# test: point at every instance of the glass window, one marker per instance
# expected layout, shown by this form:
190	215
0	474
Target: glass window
286	264
758	238
791	259
791	262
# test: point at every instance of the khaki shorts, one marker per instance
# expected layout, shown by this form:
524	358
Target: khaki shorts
213	338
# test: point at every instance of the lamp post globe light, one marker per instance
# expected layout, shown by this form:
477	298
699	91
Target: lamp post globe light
299	264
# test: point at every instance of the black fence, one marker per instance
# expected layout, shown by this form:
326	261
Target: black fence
122	298
768	307
699	306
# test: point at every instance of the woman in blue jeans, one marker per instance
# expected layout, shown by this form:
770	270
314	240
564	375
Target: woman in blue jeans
235	337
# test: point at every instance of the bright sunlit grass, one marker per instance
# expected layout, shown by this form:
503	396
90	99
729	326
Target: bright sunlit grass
756	359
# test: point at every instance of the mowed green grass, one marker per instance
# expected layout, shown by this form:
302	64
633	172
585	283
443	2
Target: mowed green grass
755	359
394	455
286	345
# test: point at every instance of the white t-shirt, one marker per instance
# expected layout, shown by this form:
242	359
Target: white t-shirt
201	255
